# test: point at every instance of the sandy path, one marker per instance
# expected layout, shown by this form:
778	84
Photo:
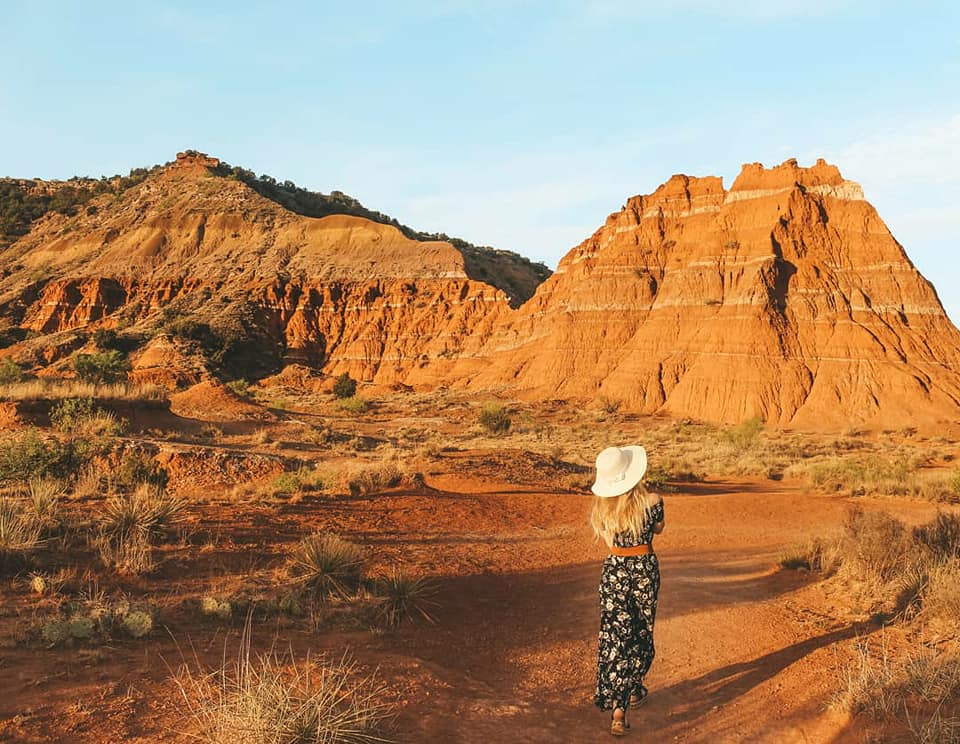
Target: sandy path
742	654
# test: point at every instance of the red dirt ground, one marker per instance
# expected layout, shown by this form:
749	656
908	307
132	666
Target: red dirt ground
745	651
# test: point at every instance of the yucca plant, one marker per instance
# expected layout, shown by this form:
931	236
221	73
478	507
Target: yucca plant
148	509
43	496
404	597
327	564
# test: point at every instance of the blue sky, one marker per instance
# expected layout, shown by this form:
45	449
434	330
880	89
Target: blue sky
516	124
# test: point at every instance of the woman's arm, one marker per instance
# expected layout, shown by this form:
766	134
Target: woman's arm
658	526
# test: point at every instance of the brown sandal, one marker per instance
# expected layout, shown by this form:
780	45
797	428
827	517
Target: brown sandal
619	727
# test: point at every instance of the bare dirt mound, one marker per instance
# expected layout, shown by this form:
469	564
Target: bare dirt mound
210	400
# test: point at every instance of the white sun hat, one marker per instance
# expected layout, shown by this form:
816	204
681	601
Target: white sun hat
619	469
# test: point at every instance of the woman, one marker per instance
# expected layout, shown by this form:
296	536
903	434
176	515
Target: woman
626	516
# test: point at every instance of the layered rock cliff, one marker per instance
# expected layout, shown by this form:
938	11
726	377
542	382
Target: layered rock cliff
339	291
785	297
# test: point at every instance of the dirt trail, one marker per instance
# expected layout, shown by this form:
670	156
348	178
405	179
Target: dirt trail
745	652
741	654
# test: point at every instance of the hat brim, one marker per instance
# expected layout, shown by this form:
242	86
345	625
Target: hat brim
633	475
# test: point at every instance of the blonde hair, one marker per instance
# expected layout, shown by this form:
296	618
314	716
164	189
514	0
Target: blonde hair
629	512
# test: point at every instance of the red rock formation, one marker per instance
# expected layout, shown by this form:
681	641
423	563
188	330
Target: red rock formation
785	298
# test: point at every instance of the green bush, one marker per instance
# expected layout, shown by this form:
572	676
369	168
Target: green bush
241	388
746	433
25	455
494	418
10	372
137	467
354	404
105	367
344	386
69	412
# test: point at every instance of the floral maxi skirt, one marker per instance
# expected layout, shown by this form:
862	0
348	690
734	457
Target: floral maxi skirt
628	606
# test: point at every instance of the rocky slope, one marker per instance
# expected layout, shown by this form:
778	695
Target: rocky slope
785	297
188	242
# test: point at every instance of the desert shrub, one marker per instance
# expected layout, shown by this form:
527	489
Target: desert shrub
404	597
609	405
10	372
941	536
494	418
326	564
239	387
101	368
354	404
746	433
66	414
344	386
216	607
25	455
864	474
875	544
295	482
79	416
278	700
189	329
369	479
137	467
910	688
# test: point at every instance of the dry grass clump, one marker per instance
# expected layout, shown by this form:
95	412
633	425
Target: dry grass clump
292	483
46	388
816	554
494	418
354	404
326	565
888	569
43	499
367	479
268	699
874	473
20	533
915	690
405	597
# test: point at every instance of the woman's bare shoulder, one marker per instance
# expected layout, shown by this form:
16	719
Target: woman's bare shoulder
657	498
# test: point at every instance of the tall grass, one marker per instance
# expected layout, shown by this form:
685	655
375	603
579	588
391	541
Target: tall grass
273	699
47	388
20	533
915	689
